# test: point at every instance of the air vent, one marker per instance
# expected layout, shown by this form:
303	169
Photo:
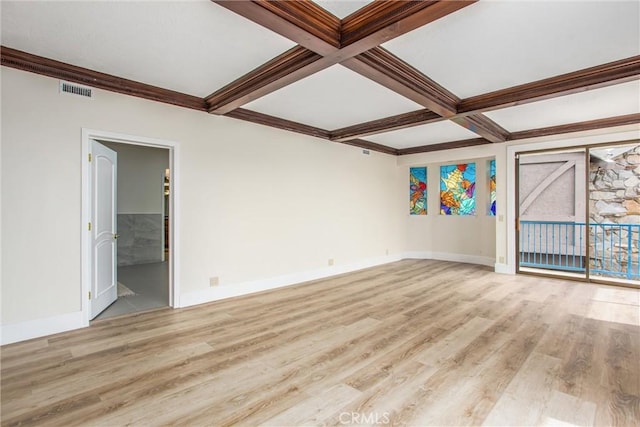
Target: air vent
75	89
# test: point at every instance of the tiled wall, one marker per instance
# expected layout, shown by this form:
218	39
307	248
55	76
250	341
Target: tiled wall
140	238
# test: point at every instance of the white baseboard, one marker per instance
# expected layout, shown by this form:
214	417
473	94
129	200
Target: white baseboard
244	288
504	268
22	331
443	256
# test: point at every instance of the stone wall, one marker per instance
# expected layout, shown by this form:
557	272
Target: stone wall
614	198
614	194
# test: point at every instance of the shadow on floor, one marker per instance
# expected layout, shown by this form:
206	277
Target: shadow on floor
150	282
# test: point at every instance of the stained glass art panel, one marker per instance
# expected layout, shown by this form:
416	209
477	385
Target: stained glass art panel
492	187
418	191
458	189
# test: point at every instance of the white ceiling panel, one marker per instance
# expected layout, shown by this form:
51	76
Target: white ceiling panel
416	136
342	8
611	101
193	47
492	45
332	99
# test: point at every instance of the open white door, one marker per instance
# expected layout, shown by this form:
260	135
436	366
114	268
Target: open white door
104	283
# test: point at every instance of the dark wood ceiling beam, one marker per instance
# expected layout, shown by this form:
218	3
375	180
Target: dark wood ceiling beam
610	122
59	70
629	119
318	31
381	21
386	69
276	122
305	23
566	84
288	125
368	145
311	26
400	121
39	65
483	126
443	146
292	65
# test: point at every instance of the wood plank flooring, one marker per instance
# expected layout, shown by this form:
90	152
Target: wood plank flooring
409	343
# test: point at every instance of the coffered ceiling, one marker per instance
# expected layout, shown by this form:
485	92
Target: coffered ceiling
333	98
394	76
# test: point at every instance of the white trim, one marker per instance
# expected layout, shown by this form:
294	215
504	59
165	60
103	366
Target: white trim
29	329
443	256
244	288
174	211
163	215
503	268
42	327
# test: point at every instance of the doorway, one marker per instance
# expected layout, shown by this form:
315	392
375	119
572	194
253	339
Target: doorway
144	218
142	244
578	213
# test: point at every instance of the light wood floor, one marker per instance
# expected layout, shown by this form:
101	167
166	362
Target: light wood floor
408	343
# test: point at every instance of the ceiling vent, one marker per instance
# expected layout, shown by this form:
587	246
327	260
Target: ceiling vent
76	89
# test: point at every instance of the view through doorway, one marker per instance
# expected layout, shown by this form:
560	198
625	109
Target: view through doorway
143	244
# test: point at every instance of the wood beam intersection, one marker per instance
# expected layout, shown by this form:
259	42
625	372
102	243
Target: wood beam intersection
355	43
360	33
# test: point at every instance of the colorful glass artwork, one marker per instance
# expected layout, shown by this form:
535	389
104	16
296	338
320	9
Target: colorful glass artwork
418	191
492	187
458	189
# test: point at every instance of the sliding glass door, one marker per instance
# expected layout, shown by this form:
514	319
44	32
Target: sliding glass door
579	213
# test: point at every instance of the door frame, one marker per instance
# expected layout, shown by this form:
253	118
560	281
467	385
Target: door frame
513	153
624	135
174	211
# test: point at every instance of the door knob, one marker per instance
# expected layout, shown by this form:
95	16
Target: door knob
116	235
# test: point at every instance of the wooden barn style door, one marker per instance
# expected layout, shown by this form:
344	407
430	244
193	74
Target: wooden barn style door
552	212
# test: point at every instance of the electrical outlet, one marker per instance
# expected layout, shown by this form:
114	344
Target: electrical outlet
214	281
330	262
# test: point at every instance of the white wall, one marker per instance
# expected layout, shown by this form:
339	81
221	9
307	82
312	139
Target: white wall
140	178
461	238
255	202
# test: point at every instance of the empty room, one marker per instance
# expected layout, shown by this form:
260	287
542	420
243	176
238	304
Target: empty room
287	213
